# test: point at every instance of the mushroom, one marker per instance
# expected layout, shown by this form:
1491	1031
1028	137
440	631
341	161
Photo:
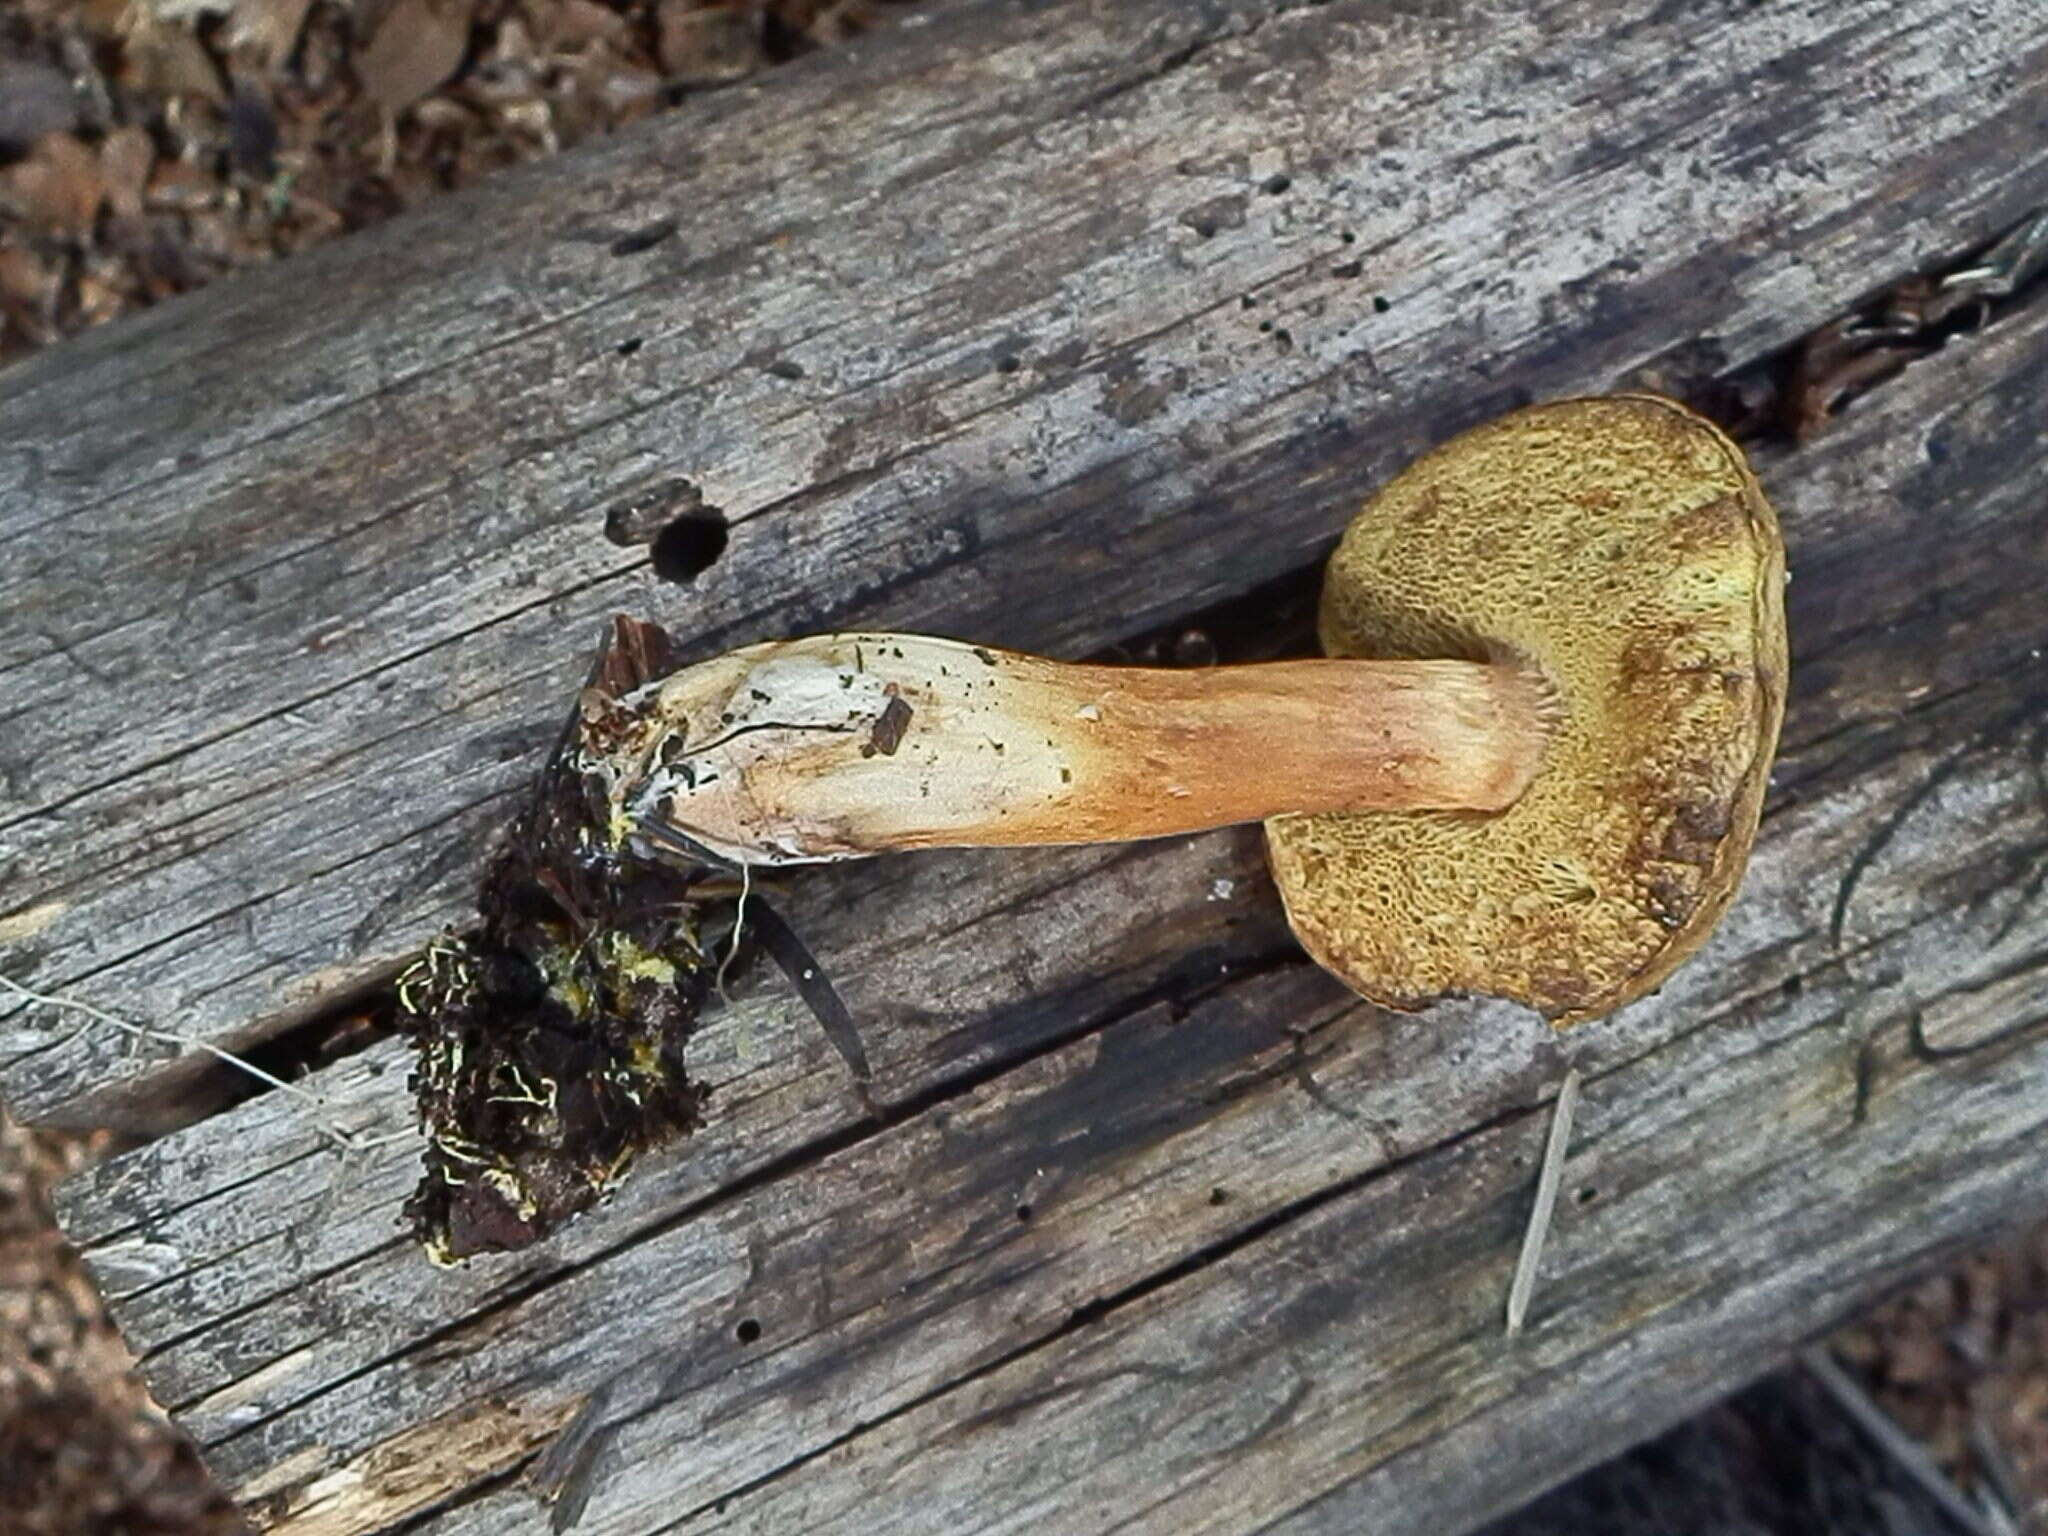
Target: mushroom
1532	767
1624	547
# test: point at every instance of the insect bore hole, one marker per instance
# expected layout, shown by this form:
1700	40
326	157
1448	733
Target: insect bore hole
688	547
748	1331
1024	1211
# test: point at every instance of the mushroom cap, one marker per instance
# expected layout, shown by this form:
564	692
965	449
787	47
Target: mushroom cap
1622	546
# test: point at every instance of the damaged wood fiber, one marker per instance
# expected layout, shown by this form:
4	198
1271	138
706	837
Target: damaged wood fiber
1910	321
1795	392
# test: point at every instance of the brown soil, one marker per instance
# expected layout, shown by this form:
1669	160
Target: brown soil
1961	1361
150	146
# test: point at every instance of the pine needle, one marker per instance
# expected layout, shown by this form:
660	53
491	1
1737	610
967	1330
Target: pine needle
1884	1432
1547	1180
347	1140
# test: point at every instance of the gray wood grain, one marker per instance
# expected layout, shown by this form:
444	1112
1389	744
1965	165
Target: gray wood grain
1161	1227
1795	1077
284	629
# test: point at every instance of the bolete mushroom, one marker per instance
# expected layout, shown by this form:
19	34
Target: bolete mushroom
1623	546
1533	771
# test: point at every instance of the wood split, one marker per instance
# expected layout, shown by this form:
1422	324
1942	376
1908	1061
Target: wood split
346	1140
1850	354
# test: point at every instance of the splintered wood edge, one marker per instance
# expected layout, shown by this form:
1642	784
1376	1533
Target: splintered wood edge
400	1476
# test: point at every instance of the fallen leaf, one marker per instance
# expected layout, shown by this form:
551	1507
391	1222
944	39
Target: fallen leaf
836	23
415	51
99	297
165	59
444	114
532	117
706	47
28	296
24	280
210	236
264	32
579	23
179	187
175	11
513	47
105	19
509	73
1917	1359
126	156
57	189
626	92
35	99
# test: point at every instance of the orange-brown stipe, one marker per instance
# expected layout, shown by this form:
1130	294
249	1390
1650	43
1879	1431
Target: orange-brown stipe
836	746
1536	773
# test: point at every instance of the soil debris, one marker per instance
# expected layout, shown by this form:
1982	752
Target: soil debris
147	148
550	1042
82	1448
1961	1362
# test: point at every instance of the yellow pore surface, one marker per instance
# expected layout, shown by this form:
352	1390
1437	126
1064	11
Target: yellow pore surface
1622	546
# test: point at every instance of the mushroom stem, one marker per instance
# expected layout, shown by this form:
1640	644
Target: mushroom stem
836	746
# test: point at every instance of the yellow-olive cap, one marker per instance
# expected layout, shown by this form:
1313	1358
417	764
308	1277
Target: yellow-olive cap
1621	546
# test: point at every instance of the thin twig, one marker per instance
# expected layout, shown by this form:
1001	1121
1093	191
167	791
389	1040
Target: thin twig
1547	1180
348	1140
1909	1453
739	922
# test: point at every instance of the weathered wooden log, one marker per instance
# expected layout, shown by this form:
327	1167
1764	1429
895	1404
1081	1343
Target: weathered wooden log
1043	325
